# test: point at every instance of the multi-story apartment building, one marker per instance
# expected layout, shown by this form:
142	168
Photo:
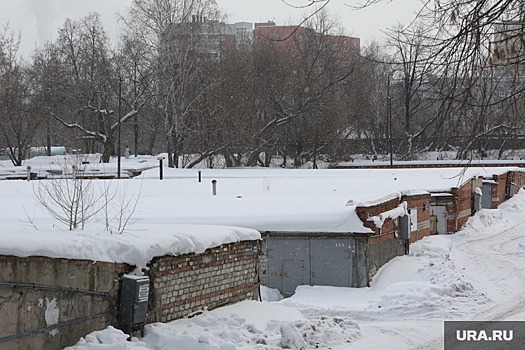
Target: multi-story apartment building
292	37
212	39
507	45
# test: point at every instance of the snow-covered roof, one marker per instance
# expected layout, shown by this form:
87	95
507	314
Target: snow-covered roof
283	200
135	248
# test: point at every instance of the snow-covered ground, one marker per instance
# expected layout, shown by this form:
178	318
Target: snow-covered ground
475	274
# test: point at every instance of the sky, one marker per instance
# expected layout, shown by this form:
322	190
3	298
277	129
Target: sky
38	20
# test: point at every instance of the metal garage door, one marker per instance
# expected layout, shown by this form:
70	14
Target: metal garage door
440	212
331	262
288	264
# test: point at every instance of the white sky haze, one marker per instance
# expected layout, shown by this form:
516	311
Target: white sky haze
38	20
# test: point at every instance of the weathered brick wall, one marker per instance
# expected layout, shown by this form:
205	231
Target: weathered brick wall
263	263
187	283
50	303
462	208
499	191
420	202
518	177
515	180
365	212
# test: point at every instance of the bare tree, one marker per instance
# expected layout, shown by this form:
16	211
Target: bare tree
91	84
119	206
410	80
300	75
19	120
477	56
176	34
72	201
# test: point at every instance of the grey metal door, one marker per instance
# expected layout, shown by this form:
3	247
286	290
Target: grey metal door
486	198
331	262
292	276
288	263
440	212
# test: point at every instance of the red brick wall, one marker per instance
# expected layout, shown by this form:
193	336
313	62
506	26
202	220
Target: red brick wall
422	204
390	227
187	283
518	179
366	212
499	190
462	208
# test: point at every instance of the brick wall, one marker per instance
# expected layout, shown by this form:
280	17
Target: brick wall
462	207
518	177
187	283
499	191
421	202
365	212
390	227
51	303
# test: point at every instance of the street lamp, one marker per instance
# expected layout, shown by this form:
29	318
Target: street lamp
389	116
389	119
118	125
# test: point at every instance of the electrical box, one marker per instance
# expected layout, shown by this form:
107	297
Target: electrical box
405	226
134	294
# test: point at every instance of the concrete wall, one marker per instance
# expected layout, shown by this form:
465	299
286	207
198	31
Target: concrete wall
50	303
382	249
188	283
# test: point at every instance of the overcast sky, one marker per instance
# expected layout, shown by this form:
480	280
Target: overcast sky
39	20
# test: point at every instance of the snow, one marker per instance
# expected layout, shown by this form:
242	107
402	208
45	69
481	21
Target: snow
136	249
475	274
285	200
400	210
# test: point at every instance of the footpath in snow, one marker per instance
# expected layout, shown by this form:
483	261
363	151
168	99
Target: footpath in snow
475	274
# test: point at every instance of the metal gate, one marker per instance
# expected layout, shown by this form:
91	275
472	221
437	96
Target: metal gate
295	261
486	198
331	262
288	264
440	213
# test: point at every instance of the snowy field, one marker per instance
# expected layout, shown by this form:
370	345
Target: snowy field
476	274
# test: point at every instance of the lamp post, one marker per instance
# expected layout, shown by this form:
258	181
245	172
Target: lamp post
118	127
389	115
389	119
